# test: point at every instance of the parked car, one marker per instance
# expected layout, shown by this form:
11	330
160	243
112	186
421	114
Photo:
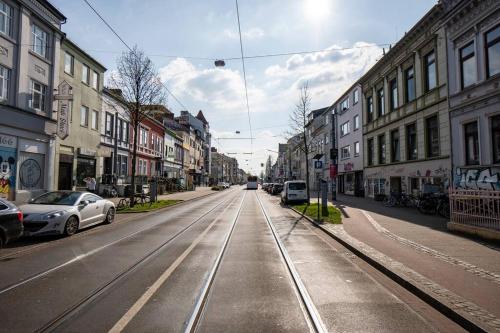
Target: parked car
294	191
11	222
65	212
276	189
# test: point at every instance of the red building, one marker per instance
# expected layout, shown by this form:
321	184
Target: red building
150	148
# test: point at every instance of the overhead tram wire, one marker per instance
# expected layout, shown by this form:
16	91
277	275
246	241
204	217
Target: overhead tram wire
130	49
244	77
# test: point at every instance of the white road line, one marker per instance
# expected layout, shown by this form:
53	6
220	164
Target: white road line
139	304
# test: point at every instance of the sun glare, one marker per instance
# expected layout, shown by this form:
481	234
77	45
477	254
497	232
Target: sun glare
317	10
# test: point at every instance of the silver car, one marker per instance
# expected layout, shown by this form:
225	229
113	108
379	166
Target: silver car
64	212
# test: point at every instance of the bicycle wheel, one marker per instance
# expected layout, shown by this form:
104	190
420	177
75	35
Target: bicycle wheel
444	209
427	207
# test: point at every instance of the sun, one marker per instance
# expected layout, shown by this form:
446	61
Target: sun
317	10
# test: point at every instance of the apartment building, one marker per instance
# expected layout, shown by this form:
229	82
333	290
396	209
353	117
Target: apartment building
115	130
348	114
79	154
150	148
406	132
319	130
473	48
30	38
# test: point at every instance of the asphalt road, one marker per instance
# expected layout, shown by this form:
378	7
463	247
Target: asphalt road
210	265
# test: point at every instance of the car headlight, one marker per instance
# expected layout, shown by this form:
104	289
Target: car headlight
53	215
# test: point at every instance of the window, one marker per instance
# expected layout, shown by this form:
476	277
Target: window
355	97
430	71
95	80
380	102
5	18
344	105
38	92
95	119
369	109
495	135
345	152
467	65
410	84
411	142
84	116
370	151
356	148
493	51
471	143
108	130
125	131
432	136
393	85
69	63
381	149
85	73
4	83
355	120
395	154
38	40
344	129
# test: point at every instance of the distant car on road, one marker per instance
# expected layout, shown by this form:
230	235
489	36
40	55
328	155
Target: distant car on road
294	191
11	222
276	189
64	212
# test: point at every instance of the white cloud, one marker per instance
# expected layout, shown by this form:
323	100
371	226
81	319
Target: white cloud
252	33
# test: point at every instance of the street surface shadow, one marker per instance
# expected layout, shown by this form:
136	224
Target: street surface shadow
408	214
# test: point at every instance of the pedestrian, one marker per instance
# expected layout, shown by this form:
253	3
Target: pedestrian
91	184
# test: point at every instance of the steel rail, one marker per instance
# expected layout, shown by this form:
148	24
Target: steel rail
69	313
311	311
199	308
85	255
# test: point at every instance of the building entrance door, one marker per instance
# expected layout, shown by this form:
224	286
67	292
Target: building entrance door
395	184
64	181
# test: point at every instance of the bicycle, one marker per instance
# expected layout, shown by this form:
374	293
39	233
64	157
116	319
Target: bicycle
123	203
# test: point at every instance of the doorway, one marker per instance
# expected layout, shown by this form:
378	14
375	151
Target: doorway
65	171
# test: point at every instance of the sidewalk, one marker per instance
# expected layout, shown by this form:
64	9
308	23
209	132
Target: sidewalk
466	267
200	191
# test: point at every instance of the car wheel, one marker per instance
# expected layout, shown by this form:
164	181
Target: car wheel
110	216
71	226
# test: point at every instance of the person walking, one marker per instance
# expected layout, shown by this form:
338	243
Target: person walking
91	184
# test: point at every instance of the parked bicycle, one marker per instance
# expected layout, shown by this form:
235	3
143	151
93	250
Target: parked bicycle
435	203
139	198
400	199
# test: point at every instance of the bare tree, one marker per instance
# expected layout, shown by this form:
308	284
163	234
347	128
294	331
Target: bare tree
138	85
298	124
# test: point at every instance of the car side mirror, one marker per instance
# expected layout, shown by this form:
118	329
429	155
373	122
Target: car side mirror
84	203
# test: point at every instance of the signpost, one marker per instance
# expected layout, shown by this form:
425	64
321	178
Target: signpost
318	165
63	97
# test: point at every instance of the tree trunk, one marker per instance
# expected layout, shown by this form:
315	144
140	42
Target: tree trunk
134	158
306	151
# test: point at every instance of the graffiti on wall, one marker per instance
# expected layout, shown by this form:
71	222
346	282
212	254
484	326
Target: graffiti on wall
7	174
477	178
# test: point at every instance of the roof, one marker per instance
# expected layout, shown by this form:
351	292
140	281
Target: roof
53	9
85	54
201	117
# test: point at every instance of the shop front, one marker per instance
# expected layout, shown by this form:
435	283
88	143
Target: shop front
407	178
86	166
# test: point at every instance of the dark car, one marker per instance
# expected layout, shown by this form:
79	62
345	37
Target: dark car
276	189
11	222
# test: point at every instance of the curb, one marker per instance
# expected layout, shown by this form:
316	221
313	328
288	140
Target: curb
462	319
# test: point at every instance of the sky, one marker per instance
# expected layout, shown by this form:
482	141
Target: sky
184	37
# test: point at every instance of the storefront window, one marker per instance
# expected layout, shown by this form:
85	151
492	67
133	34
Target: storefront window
85	167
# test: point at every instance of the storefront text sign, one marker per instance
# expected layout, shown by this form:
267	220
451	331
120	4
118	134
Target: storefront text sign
87	151
64	97
8	141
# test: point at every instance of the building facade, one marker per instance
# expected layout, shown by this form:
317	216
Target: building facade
30	37
406	133
473	45
150	148
349	135
115	136
79	155
319	130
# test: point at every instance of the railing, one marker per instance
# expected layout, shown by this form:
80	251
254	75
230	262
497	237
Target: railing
475	208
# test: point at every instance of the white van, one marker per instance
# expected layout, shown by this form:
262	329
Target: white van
294	190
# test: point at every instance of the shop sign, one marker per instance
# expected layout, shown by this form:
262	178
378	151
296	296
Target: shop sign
63	98
87	151
333	171
348	166
8	141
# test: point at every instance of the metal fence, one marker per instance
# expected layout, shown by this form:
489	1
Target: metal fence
475	208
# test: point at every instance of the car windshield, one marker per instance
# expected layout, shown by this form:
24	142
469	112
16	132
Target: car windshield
57	198
297	186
